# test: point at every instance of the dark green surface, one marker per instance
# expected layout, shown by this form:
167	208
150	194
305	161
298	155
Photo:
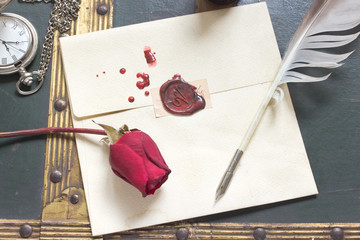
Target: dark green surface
22	159
328	115
128	12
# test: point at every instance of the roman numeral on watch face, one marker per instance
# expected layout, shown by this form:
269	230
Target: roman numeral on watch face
14	58
15	25
15	40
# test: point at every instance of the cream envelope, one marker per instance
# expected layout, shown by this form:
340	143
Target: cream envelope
239	58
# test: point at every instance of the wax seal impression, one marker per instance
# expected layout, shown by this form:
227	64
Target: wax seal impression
180	97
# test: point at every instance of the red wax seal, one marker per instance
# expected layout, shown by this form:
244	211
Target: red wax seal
179	97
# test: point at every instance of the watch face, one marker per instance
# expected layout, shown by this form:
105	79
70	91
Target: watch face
15	40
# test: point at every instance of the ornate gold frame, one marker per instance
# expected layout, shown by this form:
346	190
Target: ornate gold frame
64	214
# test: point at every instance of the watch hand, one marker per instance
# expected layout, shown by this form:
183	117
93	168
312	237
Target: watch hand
19	50
6	46
3	42
17	42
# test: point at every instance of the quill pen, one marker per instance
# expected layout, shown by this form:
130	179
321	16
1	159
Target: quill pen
328	25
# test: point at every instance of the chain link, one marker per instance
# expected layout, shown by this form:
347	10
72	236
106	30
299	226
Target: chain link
63	13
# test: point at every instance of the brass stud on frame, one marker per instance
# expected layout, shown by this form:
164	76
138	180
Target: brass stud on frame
56	176
60	105
337	234
25	231
102	9
182	234
259	234
74	199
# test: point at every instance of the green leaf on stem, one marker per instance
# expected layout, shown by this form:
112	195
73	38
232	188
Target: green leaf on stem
113	135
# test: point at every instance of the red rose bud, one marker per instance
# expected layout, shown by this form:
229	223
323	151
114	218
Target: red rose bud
136	159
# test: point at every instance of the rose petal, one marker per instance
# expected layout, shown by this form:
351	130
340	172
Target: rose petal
133	141
155	176
152	152
127	164
137	148
155	157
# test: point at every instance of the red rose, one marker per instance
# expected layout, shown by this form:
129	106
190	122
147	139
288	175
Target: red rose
136	158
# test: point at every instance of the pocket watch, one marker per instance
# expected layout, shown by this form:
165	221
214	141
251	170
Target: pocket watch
19	42
18	47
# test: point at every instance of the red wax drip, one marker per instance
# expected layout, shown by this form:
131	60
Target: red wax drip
179	97
103	72
122	70
147	93
140	84
131	99
97	75
149	56
145	80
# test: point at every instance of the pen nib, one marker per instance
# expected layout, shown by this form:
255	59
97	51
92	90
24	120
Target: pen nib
228	175
219	193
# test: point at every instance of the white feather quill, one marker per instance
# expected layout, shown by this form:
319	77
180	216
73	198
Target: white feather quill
328	24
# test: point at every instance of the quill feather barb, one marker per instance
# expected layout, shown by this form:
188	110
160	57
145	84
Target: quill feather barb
328	24
323	28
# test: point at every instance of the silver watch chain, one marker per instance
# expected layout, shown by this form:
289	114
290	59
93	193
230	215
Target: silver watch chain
62	14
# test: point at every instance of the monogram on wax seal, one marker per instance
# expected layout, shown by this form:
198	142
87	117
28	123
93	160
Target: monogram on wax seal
180	97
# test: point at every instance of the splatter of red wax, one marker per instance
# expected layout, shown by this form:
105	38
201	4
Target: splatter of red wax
149	56
147	93
122	71
145	80
97	75
180	97
131	99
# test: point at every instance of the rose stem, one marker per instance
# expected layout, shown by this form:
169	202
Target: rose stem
50	130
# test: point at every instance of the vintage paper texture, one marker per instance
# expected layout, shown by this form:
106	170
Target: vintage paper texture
238	56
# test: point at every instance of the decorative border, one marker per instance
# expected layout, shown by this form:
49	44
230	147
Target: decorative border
64	214
15	229
62	172
80	230
248	231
